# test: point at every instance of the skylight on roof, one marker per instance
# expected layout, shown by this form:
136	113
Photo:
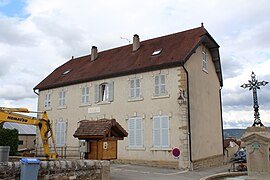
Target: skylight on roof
156	52
66	72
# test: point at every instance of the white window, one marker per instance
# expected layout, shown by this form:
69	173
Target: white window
156	52
135	132
204	59
104	92
60	134
62	98
160	85
47	100
85	95
161	131
135	88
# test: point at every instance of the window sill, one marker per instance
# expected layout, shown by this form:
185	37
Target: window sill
47	108
161	96
205	70
135	99
62	107
135	148
60	146
103	103
84	105
160	148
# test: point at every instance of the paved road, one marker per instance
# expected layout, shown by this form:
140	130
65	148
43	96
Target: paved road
134	172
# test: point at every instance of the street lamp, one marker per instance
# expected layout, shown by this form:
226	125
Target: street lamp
181	99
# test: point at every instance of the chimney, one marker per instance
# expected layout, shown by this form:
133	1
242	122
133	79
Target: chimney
94	53
136	42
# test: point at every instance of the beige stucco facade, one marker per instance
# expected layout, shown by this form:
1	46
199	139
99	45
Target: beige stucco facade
205	113
26	141
205	110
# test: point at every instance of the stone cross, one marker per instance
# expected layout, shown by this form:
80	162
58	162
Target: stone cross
254	85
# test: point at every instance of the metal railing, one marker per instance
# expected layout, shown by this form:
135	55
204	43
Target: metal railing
63	152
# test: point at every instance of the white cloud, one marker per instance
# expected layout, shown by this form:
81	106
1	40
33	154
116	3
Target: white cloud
33	46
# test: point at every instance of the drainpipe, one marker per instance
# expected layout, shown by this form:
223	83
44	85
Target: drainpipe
189	130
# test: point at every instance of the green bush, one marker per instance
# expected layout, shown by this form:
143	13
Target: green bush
9	137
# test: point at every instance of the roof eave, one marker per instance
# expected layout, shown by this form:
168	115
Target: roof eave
214	50
113	75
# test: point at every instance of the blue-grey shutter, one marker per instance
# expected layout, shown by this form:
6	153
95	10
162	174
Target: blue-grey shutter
83	95
131	132
164	131
162	85
64	98
137	88
157	86
138	133
60	133
156	131
87	95
132	86
60	99
57	136
63	133
97	96
110	91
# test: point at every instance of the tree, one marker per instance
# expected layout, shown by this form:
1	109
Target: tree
9	137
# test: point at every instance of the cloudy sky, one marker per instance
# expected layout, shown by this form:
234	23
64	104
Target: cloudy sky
36	36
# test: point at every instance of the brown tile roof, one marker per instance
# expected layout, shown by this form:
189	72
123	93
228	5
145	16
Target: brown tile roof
227	141
176	50
100	129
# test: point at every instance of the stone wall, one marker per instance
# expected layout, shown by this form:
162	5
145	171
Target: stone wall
163	164
208	162
61	170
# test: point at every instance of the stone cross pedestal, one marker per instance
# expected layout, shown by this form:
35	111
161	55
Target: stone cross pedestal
257	141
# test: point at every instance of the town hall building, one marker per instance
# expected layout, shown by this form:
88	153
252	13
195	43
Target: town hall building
165	92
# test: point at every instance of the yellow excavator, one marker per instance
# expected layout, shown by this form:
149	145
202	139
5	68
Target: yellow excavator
12	115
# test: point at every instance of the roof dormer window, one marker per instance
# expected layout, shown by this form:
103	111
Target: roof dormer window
66	72
156	52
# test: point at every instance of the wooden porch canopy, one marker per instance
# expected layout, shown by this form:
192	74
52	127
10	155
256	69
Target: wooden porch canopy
100	129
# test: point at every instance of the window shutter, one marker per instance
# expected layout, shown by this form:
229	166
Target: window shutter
83	95
59	98
165	131
61	131
58	134
132	83
137	88
64	98
132	94
64	132
162	79
49	100
110	91
131	132
137	82
87	95
138	132
156	132
162	84
97	96
157	85
46	100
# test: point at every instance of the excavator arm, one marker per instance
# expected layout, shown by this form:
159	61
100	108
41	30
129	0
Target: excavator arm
46	133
